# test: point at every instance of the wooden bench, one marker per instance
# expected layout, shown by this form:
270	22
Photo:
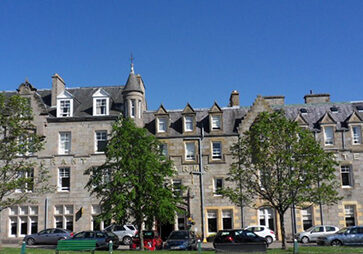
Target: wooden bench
76	245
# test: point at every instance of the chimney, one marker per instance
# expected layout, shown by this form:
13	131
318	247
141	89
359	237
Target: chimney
234	99
275	100
58	86
317	98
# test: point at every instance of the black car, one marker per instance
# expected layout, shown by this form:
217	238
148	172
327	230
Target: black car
181	240
102	238
236	237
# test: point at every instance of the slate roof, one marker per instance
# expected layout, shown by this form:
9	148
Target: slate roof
132	84
233	116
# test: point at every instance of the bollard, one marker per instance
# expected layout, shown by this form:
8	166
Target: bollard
199	246
296	247
110	246
23	248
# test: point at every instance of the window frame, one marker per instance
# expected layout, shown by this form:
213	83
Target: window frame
188	122
101	132
329	141
349	171
356	137
188	155
215	185
60	108
215	156
161	120
214	126
62	145
61	176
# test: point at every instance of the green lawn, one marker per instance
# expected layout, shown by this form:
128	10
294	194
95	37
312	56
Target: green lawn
302	250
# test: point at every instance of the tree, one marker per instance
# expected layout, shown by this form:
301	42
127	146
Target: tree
21	177
134	183
281	163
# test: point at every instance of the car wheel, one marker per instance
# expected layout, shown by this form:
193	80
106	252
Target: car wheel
336	243
30	241
115	246
126	240
305	239
269	240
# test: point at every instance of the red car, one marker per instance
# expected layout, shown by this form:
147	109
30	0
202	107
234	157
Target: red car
152	240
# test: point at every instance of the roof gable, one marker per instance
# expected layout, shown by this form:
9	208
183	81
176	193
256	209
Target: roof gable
354	118
65	95
300	119
188	109
327	118
215	108
161	111
101	93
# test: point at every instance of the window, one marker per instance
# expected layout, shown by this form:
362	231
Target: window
177	187
23	221
164	149
101	107
190	151
357	135
65	108
96	223
161	124
139	107
133	108
64	179
227	219
63	216
318	230
188	123
328	135
349	214
212	221
267	218
346	174
307	217
216	150
216	122
27	177
218	185
101	141
64	142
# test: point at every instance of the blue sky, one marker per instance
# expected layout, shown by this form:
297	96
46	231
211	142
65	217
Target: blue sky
188	51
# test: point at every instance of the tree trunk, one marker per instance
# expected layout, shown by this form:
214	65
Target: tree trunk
141	236
282	225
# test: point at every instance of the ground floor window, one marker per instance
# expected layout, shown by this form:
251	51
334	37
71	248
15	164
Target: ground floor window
227	219
97	224
64	216
307	217
212	221
266	217
349	213
23	220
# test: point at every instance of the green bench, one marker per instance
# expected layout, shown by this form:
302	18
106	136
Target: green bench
76	245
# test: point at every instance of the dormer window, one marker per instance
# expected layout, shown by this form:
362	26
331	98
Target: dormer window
328	135
216	122
162	124
188	123
100	103
65	104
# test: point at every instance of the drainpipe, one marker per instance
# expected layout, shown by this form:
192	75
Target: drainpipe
46	204
320	205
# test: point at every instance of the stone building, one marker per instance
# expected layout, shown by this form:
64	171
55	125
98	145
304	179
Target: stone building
77	121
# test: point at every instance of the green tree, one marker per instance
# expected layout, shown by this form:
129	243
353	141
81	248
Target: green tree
134	184
281	163
20	176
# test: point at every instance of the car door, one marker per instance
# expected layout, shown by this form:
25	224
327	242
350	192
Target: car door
49	237
350	237
316	232
40	237
360	236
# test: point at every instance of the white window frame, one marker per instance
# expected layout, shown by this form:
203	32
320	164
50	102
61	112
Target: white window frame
356	134
350	212
216	122
65	214
328	140
65	110
65	142
216	153
346	169
188	123
98	96
139	108
63	174
190	151
132	108
29	214
162	122
100	136
62	98
215	187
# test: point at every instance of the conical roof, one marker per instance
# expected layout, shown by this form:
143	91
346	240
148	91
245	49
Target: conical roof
132	83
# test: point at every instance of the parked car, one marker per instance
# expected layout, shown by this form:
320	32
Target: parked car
263	231
234	236
346	236
181	240
48	236
124	232
312	233
102	238
152	240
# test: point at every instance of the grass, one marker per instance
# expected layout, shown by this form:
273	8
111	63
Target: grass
302	250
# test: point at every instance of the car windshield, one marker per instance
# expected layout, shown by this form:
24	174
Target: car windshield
179	235
342	231
310	229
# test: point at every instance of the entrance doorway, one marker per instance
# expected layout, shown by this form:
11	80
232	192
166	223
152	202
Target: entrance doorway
266	217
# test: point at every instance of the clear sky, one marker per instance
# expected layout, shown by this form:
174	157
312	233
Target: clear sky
194	51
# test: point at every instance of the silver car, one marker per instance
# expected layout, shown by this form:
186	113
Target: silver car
48	236
312	233
124	232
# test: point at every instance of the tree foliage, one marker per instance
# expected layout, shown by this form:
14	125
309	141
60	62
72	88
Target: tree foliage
134	184
20	175
281	163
